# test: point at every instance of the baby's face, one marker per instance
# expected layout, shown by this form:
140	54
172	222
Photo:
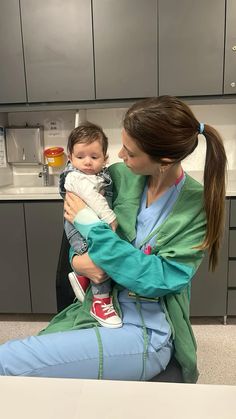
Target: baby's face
88	158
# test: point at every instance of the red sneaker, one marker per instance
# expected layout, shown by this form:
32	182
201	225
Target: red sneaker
79	284
103	311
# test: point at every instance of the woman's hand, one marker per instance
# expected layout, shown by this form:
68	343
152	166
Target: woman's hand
85	266
72	205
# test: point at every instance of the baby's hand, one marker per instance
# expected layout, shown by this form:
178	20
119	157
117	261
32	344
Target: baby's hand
114	225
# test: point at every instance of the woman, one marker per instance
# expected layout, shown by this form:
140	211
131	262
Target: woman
166	222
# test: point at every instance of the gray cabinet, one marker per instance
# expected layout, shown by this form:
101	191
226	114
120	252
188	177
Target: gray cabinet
58	50
125	47
12	77
231	303
231	306
14	279
209	290
232	220
44	228
230	48
82	50
31	234
191	47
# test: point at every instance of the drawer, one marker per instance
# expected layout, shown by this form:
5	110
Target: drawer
232	221
231	309
232	273
232	243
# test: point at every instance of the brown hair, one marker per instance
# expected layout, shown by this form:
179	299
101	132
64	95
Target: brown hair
87	132
165	127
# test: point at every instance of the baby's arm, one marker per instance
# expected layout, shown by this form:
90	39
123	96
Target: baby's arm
85	186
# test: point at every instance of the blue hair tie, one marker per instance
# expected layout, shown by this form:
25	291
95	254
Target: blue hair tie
201	128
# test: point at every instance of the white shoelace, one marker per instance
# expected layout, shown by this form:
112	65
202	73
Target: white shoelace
107	308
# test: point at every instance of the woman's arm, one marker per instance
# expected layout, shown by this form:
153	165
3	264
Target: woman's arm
84	265
147	275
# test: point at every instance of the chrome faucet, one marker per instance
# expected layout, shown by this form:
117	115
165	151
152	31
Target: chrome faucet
45	174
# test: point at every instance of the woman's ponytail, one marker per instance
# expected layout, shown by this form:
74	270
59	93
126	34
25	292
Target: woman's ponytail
214	193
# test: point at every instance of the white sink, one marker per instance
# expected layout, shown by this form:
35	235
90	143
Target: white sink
28	190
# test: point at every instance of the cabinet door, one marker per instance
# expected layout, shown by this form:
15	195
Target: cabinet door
14	279
230	49
12	77
209	290
125	47
58	49
191	47
44	227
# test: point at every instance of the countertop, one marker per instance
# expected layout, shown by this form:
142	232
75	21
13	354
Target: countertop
28	397
22	193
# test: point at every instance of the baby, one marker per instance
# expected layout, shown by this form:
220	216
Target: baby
86	175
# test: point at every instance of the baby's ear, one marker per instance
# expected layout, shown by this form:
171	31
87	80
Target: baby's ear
106	158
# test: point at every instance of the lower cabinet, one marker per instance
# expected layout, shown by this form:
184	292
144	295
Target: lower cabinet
14	278
209	289
231	304
44	228
31	234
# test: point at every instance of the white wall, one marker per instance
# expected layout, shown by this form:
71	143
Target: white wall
221	116
64	121
57	126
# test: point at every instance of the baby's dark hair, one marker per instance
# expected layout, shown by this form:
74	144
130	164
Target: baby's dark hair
87	133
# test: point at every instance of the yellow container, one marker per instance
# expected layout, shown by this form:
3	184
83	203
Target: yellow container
54	156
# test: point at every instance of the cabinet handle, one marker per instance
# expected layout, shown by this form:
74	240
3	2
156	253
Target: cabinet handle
233	84
234	48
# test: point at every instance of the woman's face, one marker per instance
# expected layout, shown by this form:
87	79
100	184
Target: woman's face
134	158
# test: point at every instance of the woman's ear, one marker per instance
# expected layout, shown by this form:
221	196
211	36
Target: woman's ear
165	164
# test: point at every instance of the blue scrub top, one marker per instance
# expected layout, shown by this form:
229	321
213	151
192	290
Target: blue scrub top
150	218
152	314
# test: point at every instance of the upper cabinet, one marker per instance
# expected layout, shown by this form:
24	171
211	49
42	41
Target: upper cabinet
125	47
58	50
12	76
88	50
191	47
230	48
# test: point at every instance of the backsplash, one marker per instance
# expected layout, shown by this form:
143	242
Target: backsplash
58	124
223	118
